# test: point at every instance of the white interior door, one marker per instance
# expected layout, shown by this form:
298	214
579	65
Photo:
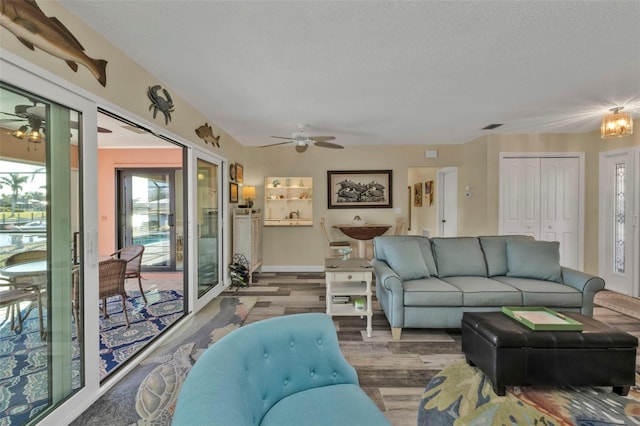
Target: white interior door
619	222
520	196
448	202
542	197
559	206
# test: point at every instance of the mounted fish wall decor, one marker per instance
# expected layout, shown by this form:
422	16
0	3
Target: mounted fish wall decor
27	21
158	103
205	132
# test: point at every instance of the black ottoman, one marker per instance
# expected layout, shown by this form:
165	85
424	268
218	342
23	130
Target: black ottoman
511	354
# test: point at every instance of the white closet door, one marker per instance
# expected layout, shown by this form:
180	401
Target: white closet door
541	197
559	206
520	196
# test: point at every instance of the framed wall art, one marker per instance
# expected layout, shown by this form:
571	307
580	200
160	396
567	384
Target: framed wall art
239	173
417	194
428	192
232	172
233	192
359	189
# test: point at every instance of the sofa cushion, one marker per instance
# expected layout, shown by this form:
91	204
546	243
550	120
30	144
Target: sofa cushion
481	291
345	404
459	257
495	252
431	292
544	293
534	259
380	249
406	259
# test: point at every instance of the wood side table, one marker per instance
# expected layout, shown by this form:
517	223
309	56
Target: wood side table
350	277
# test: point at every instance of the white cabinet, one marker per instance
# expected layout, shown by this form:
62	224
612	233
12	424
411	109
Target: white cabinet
288	201
350	279
247	237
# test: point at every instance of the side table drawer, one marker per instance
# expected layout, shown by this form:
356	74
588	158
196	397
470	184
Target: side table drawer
349	276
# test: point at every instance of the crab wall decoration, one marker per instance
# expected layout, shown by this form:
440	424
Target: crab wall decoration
158	103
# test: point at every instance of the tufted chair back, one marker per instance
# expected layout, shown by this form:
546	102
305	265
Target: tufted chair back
238	379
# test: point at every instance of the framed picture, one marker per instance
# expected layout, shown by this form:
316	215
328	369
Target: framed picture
239	173
233	192
409	208
232	172
359	189
417	194
428	192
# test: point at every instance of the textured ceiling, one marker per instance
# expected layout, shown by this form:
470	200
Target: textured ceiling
381	72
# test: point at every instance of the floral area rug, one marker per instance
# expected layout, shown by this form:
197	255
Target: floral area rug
147	395
462	395
23	357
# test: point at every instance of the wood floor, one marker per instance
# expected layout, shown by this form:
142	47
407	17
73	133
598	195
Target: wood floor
393	373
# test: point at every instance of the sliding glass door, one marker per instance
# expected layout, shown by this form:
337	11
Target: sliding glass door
209	224
40	349
147	215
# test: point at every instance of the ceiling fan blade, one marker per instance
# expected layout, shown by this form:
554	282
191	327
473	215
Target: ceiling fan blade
11	120
322	138
275	144
282	137
328	145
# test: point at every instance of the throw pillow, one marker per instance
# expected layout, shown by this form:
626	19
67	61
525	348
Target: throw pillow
459	256
495	252
405	258
534	259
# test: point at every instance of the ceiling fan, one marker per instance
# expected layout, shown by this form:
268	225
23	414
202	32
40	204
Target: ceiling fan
302	140
34	117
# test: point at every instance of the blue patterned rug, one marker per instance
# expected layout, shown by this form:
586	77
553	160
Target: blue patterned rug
147	394
23	357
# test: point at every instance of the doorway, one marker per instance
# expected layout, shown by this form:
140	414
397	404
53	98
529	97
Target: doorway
147	215
619	230
447	202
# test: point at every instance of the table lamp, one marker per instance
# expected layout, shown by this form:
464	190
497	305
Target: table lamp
249	192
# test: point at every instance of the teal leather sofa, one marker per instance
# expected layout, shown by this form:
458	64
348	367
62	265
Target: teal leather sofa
281	371
429	282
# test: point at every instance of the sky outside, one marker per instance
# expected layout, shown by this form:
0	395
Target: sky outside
39	179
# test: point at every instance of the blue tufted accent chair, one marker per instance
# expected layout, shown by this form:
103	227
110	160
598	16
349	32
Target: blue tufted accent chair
281	371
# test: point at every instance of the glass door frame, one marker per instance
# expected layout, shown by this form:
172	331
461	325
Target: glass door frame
123	236
21	74
195	154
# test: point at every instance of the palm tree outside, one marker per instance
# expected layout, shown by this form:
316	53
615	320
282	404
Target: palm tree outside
14	181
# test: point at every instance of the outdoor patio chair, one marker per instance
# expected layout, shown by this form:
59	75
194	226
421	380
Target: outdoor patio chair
112	276
133	255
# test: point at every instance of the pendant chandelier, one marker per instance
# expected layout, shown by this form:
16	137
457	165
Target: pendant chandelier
616	124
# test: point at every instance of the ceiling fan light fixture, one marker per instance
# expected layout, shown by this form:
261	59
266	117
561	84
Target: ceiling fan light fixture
616	124
20	133
301	147
34	136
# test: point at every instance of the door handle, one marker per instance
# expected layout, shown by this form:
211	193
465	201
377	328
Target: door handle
444	220
171	221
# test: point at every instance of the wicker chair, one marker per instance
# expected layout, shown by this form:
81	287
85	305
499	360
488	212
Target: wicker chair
112	276
26	284
133	255
10	299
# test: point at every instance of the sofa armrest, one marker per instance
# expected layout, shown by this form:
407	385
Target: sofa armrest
389	292
588	284
387	277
